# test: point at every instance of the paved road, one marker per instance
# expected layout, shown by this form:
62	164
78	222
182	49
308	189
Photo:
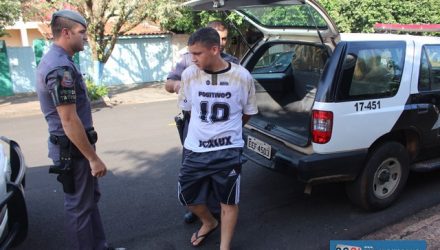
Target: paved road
139	205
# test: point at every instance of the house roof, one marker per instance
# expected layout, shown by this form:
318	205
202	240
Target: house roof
144	28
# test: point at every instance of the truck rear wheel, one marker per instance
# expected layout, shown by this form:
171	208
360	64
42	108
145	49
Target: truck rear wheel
382	179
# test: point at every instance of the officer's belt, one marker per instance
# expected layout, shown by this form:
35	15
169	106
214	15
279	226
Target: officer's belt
62	140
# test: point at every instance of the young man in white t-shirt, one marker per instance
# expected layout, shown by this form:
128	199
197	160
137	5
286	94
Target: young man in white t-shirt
172	85
221	98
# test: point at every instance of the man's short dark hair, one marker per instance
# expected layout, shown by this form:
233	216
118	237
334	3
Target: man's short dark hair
208	37
218	25
59	24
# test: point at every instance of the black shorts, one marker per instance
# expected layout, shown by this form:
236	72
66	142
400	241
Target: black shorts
216	171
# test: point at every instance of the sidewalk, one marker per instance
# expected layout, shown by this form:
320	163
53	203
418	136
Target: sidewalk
424	225
27	104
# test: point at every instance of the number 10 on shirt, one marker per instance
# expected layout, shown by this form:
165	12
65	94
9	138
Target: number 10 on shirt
217	112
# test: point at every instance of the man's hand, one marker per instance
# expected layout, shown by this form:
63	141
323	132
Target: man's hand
98	167
177	87
172	86
245	118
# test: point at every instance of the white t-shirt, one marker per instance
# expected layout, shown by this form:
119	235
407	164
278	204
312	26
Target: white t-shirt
217	102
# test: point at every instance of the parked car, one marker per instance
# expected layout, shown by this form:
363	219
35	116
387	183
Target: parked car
359	108
13	213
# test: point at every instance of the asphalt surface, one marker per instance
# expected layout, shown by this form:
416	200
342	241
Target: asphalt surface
139	207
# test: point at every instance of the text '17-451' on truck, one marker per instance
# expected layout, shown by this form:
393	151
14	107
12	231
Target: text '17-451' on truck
359	108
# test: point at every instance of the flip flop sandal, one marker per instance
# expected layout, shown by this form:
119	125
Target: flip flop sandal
203	236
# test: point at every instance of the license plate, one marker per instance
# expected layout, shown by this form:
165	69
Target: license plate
259	147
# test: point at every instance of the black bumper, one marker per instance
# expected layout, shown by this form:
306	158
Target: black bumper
313	168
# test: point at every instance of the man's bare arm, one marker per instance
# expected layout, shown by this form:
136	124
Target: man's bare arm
245	118
76	133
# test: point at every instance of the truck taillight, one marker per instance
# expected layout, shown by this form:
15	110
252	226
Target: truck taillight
322	123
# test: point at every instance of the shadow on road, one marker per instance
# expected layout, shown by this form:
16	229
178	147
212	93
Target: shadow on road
19	98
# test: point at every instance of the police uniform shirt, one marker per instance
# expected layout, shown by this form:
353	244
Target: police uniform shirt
58	72
217	102
186	60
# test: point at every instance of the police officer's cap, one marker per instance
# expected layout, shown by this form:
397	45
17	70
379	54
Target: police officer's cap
69	14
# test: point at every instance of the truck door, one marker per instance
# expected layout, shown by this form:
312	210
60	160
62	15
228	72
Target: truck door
427	100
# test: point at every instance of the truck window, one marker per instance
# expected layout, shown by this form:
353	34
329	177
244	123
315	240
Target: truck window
276	59
371	70
429	78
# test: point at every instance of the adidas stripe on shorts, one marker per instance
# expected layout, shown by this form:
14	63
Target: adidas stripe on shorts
215	171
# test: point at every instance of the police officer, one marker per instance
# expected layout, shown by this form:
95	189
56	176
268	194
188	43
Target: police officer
172	84
66	107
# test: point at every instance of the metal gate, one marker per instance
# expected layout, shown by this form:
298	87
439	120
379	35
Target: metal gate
5	76
22	65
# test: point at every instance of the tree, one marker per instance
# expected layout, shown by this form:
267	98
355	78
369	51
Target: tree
361	15
123	15
9	13
186	20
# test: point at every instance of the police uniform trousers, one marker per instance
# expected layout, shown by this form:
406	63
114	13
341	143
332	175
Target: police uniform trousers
83	220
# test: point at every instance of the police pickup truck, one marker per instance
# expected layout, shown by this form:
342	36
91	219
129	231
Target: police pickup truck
359	108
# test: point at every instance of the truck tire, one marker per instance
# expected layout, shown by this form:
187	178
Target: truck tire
382	179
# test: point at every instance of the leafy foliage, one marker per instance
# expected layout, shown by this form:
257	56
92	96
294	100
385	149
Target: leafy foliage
95	92
361	15
9	13
297	15
185	20
349	15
